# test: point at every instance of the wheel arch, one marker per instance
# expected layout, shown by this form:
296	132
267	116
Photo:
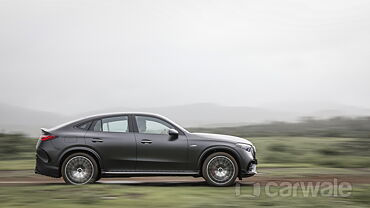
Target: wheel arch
214	149
85	150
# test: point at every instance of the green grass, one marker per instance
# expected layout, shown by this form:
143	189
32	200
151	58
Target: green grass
17	165
311	152
173	196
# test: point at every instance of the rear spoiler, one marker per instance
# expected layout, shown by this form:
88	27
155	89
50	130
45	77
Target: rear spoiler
45	131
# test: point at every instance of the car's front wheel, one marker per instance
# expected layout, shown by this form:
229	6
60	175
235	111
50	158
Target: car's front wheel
79	168
220	169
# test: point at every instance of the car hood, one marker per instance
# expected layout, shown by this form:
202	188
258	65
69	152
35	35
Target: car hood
221	137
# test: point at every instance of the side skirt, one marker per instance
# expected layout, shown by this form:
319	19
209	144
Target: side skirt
148	173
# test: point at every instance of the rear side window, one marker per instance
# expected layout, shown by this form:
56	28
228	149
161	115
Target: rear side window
112	124
84	126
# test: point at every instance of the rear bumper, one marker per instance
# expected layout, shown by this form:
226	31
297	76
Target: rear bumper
46	169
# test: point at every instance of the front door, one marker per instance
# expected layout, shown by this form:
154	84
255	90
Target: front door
156	149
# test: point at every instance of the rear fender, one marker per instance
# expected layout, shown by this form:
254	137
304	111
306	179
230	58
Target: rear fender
82	149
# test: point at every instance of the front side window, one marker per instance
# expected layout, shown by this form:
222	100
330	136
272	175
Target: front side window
112	124
151	125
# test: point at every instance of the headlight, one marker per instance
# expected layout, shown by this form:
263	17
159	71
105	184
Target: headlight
246	147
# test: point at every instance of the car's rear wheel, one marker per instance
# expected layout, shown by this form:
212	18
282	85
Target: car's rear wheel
79	168
220	169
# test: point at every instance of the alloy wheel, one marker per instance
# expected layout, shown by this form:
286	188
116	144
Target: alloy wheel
220	169
79	170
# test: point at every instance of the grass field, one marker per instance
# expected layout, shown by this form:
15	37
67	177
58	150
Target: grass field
158	196
308	152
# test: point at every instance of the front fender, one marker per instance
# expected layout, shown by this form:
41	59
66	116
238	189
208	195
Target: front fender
219	148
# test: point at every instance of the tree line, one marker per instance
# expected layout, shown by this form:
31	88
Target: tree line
309	127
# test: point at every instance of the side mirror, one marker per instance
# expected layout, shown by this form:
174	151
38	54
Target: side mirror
173	132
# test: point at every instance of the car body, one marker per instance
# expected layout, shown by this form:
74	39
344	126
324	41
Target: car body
140	144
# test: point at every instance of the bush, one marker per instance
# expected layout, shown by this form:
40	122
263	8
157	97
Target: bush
330	151
15	146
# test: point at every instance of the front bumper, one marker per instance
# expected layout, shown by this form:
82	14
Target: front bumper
251	169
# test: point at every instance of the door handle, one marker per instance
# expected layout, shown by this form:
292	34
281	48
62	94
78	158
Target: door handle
146	141
96	140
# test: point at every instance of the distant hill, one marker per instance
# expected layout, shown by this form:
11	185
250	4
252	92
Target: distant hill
320	110
18	119
333	127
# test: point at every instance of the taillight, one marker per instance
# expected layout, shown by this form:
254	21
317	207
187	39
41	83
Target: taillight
47	137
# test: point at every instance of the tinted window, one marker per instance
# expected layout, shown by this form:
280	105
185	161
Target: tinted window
151	125
112	124
84	126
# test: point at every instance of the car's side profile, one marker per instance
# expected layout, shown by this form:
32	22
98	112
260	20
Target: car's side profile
140	144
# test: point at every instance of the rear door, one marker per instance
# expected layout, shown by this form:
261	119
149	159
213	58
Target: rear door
113	139
156	149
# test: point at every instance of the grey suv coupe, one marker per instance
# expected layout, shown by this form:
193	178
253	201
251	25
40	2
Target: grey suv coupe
140	144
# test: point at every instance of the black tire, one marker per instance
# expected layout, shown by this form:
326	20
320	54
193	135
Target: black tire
80	168
220	169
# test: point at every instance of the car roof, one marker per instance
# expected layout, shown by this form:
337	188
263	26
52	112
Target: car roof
97	116
119	114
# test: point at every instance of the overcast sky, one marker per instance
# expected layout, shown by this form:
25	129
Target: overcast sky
71	56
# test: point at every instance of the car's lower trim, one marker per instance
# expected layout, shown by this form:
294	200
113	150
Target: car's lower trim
151	173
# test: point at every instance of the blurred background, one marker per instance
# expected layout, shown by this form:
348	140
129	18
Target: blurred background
291	76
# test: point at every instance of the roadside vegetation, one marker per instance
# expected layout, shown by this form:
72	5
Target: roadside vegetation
307	127
308	152
16	147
